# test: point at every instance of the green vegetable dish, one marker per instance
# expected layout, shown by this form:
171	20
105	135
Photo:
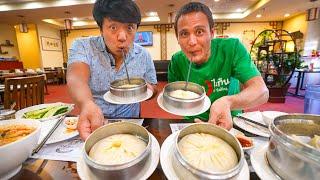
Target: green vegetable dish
46	112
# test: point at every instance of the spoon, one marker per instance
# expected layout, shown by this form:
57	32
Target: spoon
125	65
185	87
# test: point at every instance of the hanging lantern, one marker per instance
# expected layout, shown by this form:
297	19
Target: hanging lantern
312	14
67	26
23	27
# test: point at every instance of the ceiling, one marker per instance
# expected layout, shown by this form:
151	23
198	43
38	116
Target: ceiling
34	11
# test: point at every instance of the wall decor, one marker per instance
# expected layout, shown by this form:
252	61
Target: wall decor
50	44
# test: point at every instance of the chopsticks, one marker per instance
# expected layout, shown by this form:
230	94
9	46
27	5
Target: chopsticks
252	121
37	149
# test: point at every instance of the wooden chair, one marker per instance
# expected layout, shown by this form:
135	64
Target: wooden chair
25	91
48	69
51	77
60	75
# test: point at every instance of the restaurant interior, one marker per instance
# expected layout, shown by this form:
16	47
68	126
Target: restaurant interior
282	38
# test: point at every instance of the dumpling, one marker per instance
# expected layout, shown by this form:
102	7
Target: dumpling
207	152
117	149
182	94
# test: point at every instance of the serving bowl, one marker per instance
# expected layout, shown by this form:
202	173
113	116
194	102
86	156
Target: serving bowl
15	153
192	105
186	171
119	93
268	116
289	157
127	170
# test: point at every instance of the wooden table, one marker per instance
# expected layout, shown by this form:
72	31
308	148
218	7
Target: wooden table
49	169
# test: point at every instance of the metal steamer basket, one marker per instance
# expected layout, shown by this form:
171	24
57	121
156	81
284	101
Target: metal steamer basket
119	93
128	170
186	171
177	104
293	158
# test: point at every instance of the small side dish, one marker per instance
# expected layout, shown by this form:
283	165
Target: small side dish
245	141
71	122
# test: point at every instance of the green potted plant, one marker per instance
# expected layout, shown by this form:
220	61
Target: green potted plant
274	62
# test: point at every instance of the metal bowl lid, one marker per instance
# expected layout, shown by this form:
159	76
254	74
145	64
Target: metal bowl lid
301	125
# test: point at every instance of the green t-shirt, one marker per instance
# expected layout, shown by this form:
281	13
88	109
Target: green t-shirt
228	64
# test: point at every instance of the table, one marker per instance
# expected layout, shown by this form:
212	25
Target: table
300	79
49	169
14	75
8	65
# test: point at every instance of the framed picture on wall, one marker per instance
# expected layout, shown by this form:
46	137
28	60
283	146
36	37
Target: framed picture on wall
50	44
144	38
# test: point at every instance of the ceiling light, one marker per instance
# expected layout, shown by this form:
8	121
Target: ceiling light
79	23
287	15
216	0
54	22
75	19
258	16
34	5
239	10
5	8
152	14
150	19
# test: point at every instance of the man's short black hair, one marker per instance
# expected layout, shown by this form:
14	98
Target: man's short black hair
193	7
124	11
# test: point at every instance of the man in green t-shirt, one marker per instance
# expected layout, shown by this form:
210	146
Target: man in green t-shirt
217	64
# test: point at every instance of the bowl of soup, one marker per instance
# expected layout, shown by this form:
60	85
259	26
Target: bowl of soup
206	151
17	140
117	150
123	90
177	97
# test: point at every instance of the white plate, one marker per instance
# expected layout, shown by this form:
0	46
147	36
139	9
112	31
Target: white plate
19	114
107	97
60	134
250	127
166	160
268	116
184	112
260	164
149	167
11	173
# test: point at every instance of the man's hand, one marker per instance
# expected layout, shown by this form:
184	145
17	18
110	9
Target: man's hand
220	113
91	117
153	88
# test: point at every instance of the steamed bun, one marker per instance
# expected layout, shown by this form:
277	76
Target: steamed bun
207	152
117	149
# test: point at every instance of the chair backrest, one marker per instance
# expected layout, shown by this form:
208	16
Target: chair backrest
59	72
161	65
25	91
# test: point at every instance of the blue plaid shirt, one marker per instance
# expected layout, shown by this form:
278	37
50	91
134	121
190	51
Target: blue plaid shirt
92	51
